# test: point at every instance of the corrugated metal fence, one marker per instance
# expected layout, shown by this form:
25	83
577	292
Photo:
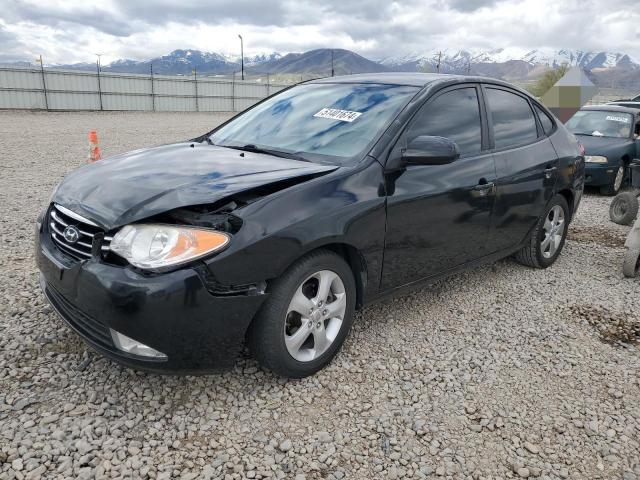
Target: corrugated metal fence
47	89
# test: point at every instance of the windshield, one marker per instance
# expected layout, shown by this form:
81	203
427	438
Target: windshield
325	122
601	124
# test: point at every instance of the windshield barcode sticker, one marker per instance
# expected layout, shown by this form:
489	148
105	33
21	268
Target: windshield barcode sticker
615	118
336	114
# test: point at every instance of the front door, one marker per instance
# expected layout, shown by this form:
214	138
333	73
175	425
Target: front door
438	216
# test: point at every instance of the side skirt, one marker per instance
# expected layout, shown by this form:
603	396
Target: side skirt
409	287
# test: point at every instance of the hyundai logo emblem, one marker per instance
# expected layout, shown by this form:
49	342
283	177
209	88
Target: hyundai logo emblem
71	234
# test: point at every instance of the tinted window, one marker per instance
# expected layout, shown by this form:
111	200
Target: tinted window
513	120
329	122
547	123
454	115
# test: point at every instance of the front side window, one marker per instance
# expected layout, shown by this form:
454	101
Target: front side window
319	122
600	123
513	120
454	115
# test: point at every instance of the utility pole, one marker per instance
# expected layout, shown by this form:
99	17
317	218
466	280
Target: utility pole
241	55
439	58
44	85
99	86
332	70
233	93
153	96
195	83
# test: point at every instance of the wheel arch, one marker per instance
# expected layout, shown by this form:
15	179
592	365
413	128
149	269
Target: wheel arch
350	254
356	262
569	197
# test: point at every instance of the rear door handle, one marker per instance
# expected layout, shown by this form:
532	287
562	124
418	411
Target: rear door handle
484	188
548	172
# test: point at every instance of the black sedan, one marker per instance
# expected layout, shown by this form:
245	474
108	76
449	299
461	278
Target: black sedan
610	135
275	227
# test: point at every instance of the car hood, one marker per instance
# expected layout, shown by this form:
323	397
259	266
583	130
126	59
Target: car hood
136	185
604	145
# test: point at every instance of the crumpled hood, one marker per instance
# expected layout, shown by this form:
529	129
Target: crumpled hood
606	146
136	185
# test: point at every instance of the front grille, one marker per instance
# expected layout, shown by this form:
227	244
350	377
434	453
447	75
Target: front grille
79	245
86	325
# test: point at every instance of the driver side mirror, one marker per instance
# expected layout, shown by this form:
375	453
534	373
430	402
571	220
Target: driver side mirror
428	150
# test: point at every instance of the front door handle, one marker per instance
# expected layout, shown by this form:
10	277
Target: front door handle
484	188
548	172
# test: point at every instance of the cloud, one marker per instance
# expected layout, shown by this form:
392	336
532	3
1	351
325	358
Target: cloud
67	14
468	5
68	31
12	47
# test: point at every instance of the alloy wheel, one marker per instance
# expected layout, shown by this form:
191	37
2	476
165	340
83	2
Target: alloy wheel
553	227
315	315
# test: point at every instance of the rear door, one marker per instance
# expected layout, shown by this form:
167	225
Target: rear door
438	216
526	165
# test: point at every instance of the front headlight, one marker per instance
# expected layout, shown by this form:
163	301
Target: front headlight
155	246
595	159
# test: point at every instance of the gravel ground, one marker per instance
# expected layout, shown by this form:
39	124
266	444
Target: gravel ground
500	372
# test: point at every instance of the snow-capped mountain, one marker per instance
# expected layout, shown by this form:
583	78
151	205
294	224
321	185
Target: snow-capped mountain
513	64
456	60
182	61
250	60
588	60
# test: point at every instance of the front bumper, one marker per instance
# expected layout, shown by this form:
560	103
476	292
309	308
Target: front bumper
597	175
173	313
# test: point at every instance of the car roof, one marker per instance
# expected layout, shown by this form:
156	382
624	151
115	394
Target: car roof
413	79
611	108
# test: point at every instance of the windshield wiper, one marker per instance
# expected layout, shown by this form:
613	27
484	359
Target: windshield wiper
250	147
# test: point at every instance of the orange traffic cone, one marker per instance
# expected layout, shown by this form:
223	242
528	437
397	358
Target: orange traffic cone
94	149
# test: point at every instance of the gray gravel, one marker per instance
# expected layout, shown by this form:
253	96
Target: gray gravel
501	372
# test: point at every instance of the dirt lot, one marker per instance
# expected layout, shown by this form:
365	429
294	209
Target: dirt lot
501	372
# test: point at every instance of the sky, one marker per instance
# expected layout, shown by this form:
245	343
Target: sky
69	31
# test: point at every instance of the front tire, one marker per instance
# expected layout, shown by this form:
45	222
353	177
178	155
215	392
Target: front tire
618	181
548	236
307	317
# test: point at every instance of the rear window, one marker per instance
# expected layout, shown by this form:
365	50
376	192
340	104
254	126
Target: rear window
513	120
545	120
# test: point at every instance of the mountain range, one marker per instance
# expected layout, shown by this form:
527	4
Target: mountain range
507	63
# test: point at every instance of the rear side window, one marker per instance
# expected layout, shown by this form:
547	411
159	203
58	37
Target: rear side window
547	123
454	115
513	120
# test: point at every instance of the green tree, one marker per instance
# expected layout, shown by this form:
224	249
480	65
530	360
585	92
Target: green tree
548	80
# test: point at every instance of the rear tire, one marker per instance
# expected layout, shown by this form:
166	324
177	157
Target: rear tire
631	265
548	236
624	208
303	324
